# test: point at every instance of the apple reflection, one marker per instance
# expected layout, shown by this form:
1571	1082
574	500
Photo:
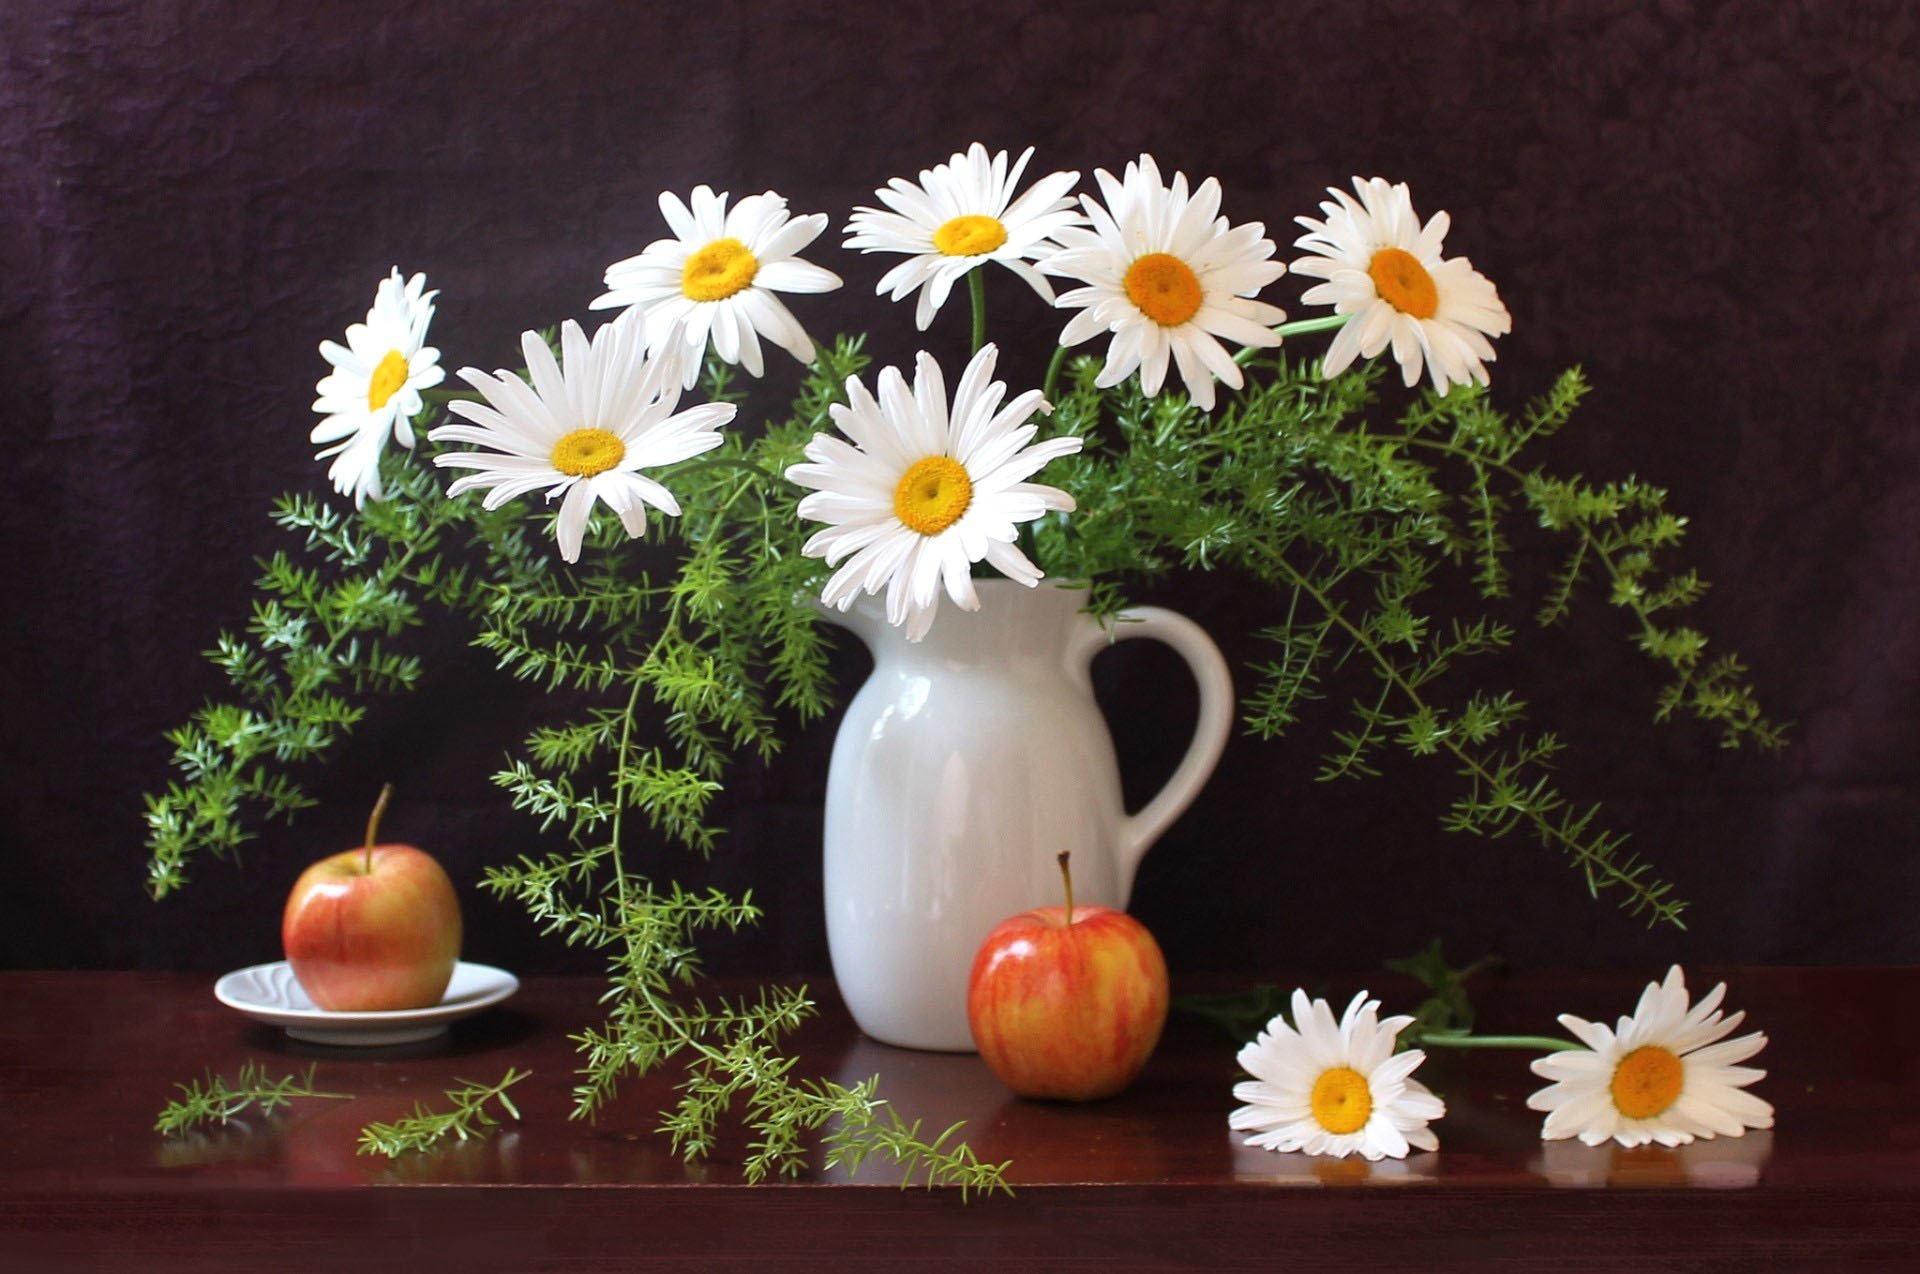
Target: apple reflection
1046	1142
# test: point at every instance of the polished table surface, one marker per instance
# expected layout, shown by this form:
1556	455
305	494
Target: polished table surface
1148	1180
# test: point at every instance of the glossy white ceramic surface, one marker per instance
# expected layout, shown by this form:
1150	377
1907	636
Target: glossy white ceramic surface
270	993
964	765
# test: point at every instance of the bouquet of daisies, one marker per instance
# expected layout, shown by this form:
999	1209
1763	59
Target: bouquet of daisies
1198	437
921	488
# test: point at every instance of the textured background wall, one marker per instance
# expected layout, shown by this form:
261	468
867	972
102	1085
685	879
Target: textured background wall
1708	205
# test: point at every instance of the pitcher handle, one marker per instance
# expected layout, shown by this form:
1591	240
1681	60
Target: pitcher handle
1139	831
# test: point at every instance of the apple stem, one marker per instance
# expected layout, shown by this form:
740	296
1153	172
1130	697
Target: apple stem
373	823
1067	877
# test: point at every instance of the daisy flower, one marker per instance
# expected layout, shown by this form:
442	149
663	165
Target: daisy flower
1331	1088
963	214
714	280
1667	1074
1384	268
374	387
582	430
1166	276
925	490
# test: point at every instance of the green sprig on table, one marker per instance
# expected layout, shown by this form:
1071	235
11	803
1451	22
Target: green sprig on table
466	1117
216	1099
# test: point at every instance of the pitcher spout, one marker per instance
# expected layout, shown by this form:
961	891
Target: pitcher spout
864	621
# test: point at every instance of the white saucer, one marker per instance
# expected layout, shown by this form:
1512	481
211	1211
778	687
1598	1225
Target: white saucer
270	993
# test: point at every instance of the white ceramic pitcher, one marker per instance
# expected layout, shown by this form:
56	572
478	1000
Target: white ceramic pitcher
963	767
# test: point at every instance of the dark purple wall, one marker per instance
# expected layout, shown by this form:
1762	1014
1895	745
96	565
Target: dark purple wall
1708	205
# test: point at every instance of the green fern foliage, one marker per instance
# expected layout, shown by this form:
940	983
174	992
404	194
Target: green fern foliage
1353	526
699	648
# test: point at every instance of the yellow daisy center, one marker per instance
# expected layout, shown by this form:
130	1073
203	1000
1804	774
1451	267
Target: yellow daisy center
932	495
1647	1081
386	380
1165	288
969	236
1341	1101
585	452
718	270
1404	283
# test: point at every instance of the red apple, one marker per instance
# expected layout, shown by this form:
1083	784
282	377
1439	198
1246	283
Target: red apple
374	928
1067	1001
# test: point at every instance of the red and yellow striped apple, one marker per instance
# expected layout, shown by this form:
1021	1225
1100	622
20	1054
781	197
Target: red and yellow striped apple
1067	1002
373	929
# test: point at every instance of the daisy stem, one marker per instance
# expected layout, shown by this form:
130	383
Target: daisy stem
1053	372
1449	1039
622	761
721	462
1304	327
619	771
977	290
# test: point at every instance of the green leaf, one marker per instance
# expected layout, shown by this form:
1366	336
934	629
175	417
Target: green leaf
1242	1015
1448	1009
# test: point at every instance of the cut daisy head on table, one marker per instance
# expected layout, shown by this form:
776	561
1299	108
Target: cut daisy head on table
926	488
374	388
1166	277
714	282
582	430
1384	269
1335	1088
959	216
1666	1074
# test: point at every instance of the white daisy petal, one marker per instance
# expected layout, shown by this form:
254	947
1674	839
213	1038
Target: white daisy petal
1593	1034
784	240
571	525
795	275
618	492
1006	557
773	320
1729	1052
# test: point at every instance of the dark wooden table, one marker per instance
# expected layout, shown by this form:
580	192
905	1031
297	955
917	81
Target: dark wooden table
1149	1180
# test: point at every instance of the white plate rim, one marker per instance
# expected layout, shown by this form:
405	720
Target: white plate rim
501	984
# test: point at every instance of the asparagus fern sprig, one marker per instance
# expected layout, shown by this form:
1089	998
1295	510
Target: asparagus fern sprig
217	1099
466	1116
